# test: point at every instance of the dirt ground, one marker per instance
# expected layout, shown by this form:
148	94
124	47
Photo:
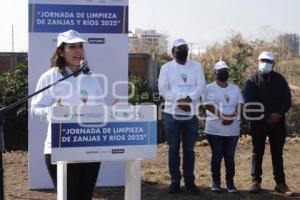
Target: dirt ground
155	178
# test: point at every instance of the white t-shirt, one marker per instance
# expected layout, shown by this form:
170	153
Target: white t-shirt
226	101
179	81
72	91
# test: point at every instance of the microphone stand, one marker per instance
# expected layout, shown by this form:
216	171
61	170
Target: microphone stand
4	110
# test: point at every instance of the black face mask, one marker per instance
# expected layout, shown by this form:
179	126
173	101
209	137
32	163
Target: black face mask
182	55
222	76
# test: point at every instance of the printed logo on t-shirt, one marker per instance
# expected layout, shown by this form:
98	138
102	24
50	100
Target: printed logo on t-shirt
184	77
84	95
227	98
211	96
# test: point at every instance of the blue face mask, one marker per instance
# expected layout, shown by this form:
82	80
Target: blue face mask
265	68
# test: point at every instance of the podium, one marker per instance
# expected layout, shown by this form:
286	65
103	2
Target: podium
97	133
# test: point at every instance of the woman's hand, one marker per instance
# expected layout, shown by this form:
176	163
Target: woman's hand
184	104
227	122
227	119
274	119
58	102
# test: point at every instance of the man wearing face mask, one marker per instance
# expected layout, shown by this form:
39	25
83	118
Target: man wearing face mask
181	83
223	103
271	90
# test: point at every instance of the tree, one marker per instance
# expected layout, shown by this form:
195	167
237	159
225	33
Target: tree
235	52
137	89
240	60
13	87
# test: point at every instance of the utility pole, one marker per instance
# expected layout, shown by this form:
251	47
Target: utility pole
13	57
192	48
12	38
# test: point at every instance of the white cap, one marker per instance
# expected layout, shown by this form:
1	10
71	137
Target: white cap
220	65
266	55
179	42
69	36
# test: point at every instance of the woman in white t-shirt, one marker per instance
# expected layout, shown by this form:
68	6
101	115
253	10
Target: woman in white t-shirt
223	103
84	89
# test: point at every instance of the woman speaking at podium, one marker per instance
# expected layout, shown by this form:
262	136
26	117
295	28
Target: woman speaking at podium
81	177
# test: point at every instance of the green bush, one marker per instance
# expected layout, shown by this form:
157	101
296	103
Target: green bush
239	63
138	90
13	87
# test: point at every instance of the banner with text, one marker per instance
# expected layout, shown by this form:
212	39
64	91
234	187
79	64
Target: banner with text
125	138
84	19
104	25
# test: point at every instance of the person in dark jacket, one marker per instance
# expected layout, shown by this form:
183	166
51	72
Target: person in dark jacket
269	92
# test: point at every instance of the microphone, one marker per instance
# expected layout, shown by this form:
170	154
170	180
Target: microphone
83	66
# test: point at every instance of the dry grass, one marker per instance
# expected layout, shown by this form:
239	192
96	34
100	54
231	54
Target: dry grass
155	177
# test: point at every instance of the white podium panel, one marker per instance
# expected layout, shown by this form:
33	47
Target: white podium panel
94	133
97	133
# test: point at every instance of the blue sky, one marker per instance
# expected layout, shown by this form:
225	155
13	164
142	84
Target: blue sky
198	21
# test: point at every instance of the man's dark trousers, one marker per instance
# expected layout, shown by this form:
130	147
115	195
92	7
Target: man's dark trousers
276	134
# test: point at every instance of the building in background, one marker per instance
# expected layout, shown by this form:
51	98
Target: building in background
143	66
9	60
139	64
291	42
147	41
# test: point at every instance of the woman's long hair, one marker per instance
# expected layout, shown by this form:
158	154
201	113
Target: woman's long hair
57	60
